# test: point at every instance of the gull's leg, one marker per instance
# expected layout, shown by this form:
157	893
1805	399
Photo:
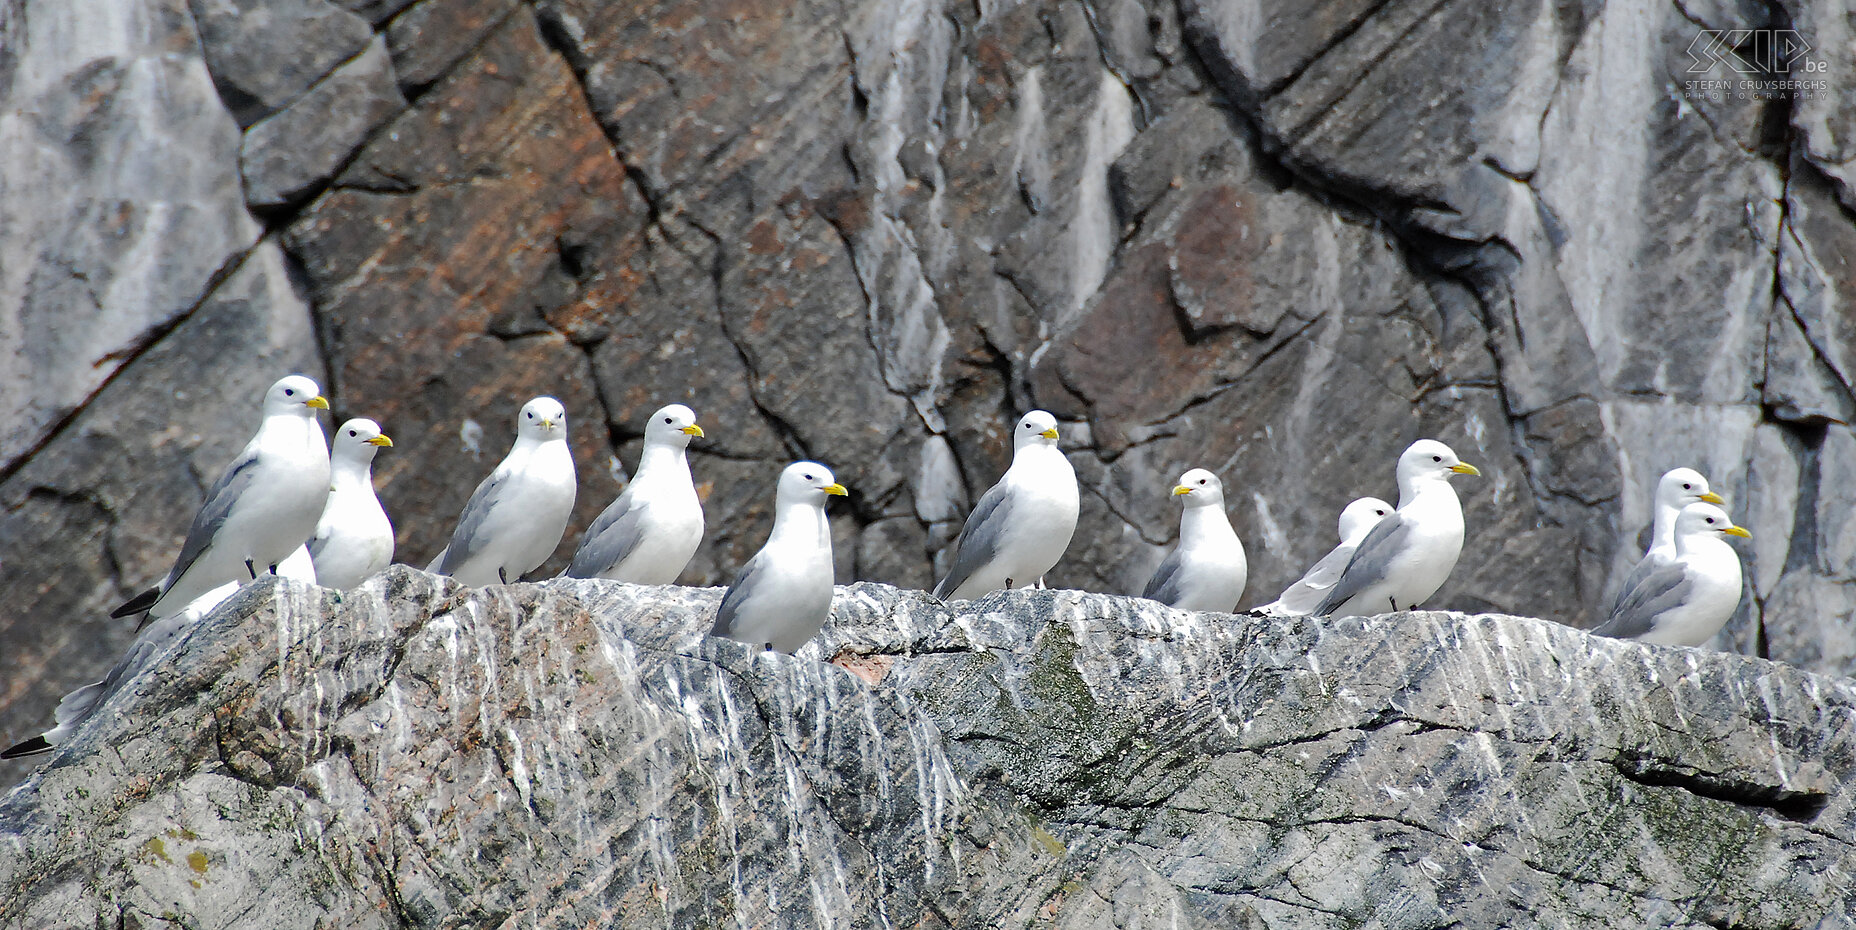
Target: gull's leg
502	575
253	569
1008	584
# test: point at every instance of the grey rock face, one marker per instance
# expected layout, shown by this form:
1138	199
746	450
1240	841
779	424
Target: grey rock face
286	154
417	754
119	203
265	54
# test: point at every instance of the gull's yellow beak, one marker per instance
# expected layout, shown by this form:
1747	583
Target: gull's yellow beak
1713	498
381	440
1049	433
319	402
692	430
1739	531
1181	489
547	423
1464	468
836	489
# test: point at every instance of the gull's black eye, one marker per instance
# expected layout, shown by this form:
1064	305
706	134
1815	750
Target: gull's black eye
289	392
1380	512
1688	487
666	419
1437	458
1201	480
353	433
1710	521
529	415
808	477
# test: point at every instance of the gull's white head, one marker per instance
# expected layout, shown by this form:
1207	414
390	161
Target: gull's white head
1200	488
294	394
1681	487
1699	520
807	483
1359	518
674	425
542	418
1430	459
358	439
1035	428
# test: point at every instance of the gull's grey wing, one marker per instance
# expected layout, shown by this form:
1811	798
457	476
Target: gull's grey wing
1306	593
79	705
1663	587
612	538
466	540
1370	564
740	589
1164	586
979	539
1638	572
220	500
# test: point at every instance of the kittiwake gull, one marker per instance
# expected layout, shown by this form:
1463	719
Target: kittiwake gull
1685	600
151	643
1206	570
648	534
1356	520
1407	557
354	538
263	506
1678	488
517	515
782	596
1022	524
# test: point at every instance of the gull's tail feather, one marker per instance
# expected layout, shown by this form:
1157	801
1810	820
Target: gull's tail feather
137	604
31	747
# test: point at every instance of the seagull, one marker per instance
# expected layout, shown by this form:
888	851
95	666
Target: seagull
516	517
1406	558
1686	600
648	534
354	538
1206	571
82	704
263	506
1021	525
782	596
1301	598
1677	489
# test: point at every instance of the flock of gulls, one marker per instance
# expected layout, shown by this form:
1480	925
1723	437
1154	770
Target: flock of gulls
290	506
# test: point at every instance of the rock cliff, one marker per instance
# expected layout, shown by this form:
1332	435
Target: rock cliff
1277	239
566	754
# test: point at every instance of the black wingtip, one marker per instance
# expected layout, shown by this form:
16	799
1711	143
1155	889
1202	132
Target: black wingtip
137	604
31	747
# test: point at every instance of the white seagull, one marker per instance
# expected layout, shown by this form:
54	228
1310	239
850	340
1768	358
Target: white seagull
1686	600
517	515
263	506
1301	598
1207	570
782	596
354	538
1677	489
648	534
1021	525
82	704
1407	557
